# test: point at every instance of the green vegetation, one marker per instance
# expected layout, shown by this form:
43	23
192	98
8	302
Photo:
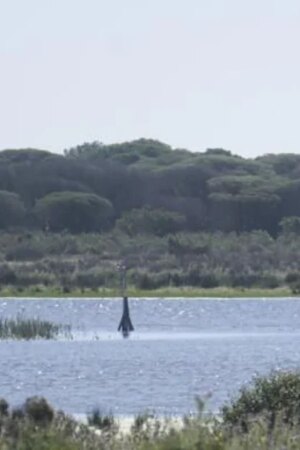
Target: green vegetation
274	397
21	328
12	210
178	220
76	212
94	186
157	222
179	264
265	416
104	422
186	292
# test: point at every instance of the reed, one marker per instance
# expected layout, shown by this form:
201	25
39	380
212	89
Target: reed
21	328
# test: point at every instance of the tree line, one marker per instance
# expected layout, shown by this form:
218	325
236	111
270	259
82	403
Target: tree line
145	186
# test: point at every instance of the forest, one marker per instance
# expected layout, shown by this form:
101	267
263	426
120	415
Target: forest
145	186
176	218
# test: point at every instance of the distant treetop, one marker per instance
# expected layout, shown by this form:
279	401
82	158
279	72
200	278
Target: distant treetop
210	190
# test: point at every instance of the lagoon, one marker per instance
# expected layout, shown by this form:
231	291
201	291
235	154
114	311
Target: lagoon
181	348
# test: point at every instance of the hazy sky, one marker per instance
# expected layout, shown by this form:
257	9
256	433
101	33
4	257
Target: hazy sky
192	73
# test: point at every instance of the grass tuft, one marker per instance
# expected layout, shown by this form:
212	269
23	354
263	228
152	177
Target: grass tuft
21	328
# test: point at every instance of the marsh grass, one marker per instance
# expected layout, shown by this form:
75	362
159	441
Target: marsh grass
21	328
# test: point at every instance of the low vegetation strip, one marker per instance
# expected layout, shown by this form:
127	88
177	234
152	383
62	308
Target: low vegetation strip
183	264
265	416
21	328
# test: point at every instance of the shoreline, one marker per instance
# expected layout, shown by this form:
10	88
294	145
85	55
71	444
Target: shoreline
164	293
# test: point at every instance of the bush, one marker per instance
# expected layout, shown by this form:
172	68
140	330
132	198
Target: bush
12	210
90	279
105	422
177	279
245	280
38	410
36	426
209	280
3	407
276	396
194	277
74	211
7	275
158	222
269	281
292	277
293	280
144	280
33	278
290	225
24	252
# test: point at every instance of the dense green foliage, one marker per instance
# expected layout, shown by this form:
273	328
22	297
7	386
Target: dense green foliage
176	218
270	411
276	396
93	185
150	221
12	211
76	212
65	262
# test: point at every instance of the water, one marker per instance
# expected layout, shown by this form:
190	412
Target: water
180	349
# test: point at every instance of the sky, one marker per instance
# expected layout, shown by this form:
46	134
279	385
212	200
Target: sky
195	74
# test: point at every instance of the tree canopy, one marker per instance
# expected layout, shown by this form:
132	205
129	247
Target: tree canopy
75	212
211	190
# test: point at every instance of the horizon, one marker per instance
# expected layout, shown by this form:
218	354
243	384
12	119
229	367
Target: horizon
195	75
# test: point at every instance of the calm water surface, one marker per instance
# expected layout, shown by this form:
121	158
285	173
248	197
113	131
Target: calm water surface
181	348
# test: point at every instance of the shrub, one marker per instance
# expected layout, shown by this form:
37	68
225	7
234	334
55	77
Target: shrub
105	422
3	407
293	280
292	277
143	280
158	222
140	421
24	252
12	209
74	211
36	426
290	225
27	278
276	396
245	280
148	280
90	279
193	277
38	410
209	280
269	281
7	275
177	279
